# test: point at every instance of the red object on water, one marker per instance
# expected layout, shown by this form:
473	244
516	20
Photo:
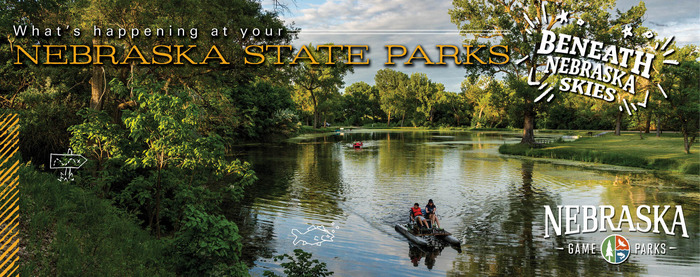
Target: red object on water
357	145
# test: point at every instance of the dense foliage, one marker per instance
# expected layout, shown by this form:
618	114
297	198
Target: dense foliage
158	138
300	265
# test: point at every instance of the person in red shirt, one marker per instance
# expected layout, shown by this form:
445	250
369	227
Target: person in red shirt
417	215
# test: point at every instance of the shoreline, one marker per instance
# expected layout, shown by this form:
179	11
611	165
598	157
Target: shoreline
658	156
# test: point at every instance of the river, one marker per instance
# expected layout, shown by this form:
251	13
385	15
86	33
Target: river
493	203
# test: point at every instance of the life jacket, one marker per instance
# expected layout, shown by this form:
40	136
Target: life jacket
416	211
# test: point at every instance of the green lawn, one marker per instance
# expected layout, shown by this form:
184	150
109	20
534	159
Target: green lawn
663	153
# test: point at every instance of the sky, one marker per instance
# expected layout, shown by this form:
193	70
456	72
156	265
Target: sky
412	22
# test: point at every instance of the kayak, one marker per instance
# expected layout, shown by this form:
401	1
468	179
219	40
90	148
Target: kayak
425	238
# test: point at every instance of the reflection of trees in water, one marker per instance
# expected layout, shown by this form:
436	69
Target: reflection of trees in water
509	240
257	236
404	154
317	181
274	172
304	175
634	190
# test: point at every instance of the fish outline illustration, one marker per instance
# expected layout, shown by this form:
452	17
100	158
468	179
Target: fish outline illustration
314	235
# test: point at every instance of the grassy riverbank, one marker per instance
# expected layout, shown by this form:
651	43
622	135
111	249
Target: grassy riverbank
67	231
662	153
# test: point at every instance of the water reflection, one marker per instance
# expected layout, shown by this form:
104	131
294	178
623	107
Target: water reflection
493	203
416	253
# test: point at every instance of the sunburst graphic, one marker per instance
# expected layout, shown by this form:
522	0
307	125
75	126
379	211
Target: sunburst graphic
563	18
661	89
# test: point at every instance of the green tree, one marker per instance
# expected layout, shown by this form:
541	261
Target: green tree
482	95
505	23
427	94
314	79
392	98
301	265
458	105
208	245
681	85
330	107
162	133
360	103
246	113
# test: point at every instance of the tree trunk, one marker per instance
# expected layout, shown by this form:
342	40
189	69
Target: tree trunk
158	205
97	82
618	123
315	106
647	126
658	127
478	123
402	119
528	128
686	142
315	118
388	119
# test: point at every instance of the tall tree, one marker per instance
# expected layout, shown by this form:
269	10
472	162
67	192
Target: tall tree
507	23
390	84
314	79
680	83
360	102
456	105
427	93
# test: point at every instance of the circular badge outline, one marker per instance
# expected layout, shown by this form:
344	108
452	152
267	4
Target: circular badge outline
614	249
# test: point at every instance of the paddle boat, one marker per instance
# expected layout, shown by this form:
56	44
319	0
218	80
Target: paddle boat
426	237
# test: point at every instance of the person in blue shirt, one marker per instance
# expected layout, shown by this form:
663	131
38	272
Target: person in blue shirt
430	213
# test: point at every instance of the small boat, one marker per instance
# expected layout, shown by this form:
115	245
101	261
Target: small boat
403	229
425	238
357	144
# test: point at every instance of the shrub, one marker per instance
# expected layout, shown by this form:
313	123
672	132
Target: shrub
301	266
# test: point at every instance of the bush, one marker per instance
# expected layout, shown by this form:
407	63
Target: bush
48	111
301	266
70	232
207	245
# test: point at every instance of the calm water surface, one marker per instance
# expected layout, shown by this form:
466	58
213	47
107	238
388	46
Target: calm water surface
491	202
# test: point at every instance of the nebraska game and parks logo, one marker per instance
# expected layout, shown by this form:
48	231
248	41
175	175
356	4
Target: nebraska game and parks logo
615	249
575	220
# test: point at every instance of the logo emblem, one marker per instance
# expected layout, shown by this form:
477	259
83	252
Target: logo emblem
615	249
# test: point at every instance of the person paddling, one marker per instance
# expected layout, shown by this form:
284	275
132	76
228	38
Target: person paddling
417	215
430	212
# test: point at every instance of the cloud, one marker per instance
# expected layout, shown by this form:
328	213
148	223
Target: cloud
347	19
686	32
679	18
362	18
